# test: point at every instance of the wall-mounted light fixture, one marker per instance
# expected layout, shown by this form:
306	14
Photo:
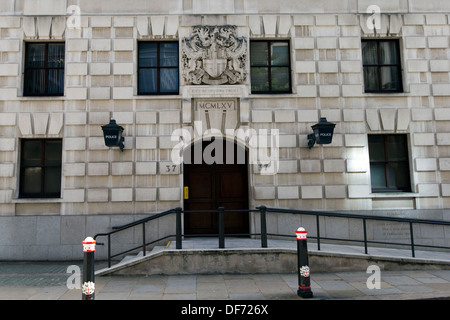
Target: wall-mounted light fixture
323	133
112	133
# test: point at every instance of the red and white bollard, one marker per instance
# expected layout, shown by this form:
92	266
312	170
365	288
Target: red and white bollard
88	287
304	283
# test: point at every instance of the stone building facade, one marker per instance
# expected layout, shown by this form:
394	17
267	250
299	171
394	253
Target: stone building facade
377	69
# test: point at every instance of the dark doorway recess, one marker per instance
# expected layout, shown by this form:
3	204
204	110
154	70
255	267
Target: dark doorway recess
216	174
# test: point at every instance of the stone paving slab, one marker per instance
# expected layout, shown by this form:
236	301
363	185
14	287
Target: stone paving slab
27	281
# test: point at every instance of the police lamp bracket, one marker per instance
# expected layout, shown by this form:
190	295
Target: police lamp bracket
322	133
112	133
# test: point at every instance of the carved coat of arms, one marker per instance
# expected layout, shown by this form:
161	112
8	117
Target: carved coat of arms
214	55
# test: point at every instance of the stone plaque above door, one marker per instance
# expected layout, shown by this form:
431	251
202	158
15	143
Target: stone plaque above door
216	114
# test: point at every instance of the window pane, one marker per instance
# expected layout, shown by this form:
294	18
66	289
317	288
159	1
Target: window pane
377	175
397	147
53	152
56	55
148	81
390	78
389	52
169	80
399	139
376	148
280	79
399	176
31	180
148	55
32	152
259	54
35	55
168	54
260	79
52	183
56	81
371	79
369	52
280	54
35	82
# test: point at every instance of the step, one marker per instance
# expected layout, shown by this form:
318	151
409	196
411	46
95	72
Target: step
131	259
202	256
141	254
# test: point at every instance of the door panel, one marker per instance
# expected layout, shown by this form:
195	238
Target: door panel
201	192
212	186
230	184
200	185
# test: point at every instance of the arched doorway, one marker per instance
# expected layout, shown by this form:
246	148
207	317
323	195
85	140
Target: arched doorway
215	172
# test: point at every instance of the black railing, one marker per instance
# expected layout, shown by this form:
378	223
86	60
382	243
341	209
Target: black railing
364	219
142	222
262	210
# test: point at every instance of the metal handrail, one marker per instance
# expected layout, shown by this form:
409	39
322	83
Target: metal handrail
142	222
356	216
262	210
364	218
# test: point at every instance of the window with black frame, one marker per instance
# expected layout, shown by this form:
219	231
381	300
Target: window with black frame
44	69
382	66
389	163
158	68
270	67
40	168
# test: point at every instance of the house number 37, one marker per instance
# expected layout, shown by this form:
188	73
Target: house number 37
171	168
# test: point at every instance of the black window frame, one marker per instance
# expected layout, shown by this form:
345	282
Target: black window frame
42	193
270	66
158	68
47	93
387	161
379	66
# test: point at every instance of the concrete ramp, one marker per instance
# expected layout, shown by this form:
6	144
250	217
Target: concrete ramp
245	256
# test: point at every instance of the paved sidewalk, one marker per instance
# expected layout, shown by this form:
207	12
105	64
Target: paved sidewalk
48	281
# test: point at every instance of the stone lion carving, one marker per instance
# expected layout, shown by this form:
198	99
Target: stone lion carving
214	55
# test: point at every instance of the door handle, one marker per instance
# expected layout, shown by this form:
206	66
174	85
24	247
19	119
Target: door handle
186	193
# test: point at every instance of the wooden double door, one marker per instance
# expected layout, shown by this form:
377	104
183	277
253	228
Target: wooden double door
213	185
